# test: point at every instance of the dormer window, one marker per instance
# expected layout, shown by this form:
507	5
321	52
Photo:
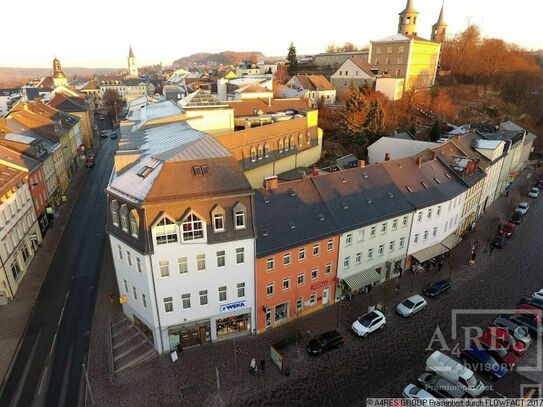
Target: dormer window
281	145
218	216
292	143
239	216
192	228
266	150
165	231
114	208
124	218
260	152
308	137
134	225
253	154
286	144
300	140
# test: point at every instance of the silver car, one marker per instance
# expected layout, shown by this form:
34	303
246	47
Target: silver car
522	208
534	192
411	306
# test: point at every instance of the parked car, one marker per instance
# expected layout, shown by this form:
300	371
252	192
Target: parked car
522	208
496	350
507	230
480	361
532	325
101	117
516	218
440	387
539	183
534	192
499	242
534	301
90	159
368	323
455	372
411	305
517	330
538	295
103	134
113	134
530	310
437	288
413	392
324	342
507	340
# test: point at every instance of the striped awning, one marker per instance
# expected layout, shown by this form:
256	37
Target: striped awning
430	252
362	279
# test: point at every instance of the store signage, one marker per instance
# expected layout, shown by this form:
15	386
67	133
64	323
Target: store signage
233	306
320	284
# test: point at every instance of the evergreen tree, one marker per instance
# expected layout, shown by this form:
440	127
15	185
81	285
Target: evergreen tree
365	89
292	60
374	124
435	133
353	116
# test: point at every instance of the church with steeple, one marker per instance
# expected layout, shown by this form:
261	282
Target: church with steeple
405	55
132	64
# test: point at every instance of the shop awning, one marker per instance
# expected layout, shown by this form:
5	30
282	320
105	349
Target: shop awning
450	241
362	279
430	252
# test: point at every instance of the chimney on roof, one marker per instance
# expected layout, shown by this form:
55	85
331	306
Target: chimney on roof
387	156
314	172
271	183
361	164
434	155
418	161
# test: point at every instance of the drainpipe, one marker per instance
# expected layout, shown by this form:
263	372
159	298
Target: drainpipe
7	277
254	260
156	302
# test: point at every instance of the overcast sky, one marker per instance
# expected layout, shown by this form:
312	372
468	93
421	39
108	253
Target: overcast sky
97	33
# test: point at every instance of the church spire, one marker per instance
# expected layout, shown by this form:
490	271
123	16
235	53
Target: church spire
439	29
132	64
130	52
408	20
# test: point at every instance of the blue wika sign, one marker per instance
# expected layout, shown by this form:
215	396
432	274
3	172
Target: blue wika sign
233	306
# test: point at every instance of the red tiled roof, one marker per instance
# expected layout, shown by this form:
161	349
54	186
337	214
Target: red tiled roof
362	64
250	106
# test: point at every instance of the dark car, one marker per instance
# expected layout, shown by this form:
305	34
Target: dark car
499	242
323	342
440	387
516	218
533	302
437	288
480	361
103	134
519	331
496	350
113	134
533	325
507	230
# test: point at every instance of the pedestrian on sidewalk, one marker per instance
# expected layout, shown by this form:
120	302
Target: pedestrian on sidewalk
439	265
111	297
262	364
397	285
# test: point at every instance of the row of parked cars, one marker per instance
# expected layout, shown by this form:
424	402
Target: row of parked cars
492	354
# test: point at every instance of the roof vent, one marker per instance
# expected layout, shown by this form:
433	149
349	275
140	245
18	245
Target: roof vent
292	192
345	206
264	233
447	175
408	188
424	185
266	199
436	179
321	217
365	174
344	180
368	200
291	225
390	195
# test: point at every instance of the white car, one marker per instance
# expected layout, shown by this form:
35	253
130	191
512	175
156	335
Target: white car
522	208
414	392
368	323
538	295
534	192
411	306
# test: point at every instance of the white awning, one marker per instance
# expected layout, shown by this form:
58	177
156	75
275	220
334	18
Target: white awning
430	252
450	241
362	279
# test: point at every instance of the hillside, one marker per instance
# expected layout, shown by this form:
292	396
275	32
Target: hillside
224	58
18	76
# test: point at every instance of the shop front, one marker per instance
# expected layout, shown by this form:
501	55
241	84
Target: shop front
189	334
233	319
362	281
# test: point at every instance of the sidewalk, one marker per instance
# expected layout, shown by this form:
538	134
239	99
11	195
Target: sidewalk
15	315
192	380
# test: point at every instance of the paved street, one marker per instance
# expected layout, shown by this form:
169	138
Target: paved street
380	365
47	370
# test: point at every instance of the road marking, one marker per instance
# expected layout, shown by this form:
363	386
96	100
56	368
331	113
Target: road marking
22	381
42	379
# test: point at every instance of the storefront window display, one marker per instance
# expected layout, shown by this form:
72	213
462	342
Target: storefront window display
281	312
230	325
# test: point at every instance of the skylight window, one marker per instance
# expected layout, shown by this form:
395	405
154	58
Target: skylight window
145	171
447	175
365	174
292	192
197	170
345	206
291	225
436	179
344	180
264	233
408	188
321	217
424	185
266	199
390	195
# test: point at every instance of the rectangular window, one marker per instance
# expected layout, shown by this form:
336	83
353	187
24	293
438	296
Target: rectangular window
416	239
395	224
286	283
129	258
143	301
313	298
185	299
270	288
435	232
439	210
430	213
391	246
330	245
168	304
404	221
138	264
380	249
358	258
348	239
164	266
201	262
347	262
125	286
218	222
203	297
241	290
221	261
328	269
384	228
134	293
240	219
419	217
183	265
372	231
314	274
240	255
301	279
425	236
222	293
120	252
370	253
316	249
270	264
301	255
286	259
300	304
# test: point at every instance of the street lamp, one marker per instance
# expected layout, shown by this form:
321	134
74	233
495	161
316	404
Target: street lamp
237	351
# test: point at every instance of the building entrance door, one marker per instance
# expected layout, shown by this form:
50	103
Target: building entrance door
325	295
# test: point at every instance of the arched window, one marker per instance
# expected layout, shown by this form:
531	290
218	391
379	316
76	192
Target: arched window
286	144
134	224
280	145
292	142
193	228
253	154
266	150
260	152
124	218
300	139
165	231
308	137
114	207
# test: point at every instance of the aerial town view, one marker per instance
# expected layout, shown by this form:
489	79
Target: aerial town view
277	204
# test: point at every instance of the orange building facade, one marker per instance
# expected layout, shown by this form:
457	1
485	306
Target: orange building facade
295	282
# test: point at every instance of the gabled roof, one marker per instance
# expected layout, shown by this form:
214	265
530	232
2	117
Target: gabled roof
201	99
9	178
67	103
362	64
253	88
314	82
466	168
13	157
89	85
